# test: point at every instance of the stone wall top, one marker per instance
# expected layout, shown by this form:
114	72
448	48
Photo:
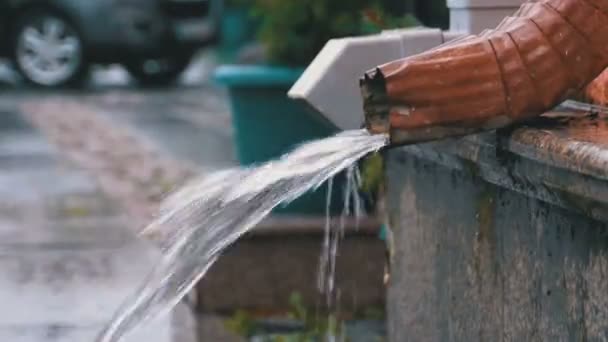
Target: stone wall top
561	158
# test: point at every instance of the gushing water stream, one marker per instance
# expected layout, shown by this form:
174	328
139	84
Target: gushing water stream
199	221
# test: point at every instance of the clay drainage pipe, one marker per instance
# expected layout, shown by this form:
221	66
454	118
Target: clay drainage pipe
547	51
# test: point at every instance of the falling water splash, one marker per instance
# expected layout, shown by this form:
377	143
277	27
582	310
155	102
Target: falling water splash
333	233
199	221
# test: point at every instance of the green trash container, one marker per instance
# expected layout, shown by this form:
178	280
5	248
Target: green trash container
268	124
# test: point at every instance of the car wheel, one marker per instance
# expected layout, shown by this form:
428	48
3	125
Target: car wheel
159	71
48	51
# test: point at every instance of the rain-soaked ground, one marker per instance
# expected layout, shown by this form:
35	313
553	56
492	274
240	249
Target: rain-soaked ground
190	121
63	240
53	204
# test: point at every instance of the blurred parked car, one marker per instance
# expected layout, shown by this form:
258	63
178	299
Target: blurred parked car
53	42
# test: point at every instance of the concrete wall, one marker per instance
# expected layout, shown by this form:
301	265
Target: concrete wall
493	246
275	263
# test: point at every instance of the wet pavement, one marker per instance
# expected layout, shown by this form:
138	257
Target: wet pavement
68	184
62	242
52	204
190	121
31	170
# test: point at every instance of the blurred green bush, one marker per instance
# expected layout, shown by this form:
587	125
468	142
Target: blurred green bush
294	31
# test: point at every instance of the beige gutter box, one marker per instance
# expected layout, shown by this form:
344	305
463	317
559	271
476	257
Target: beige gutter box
330	84
474	16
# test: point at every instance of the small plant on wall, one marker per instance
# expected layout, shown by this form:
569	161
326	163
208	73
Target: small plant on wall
304	324
314	327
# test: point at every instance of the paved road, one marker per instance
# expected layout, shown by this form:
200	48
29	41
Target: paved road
62	245
190	121
49	203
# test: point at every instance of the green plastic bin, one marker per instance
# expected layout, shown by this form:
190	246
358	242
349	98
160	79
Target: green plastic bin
268	124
